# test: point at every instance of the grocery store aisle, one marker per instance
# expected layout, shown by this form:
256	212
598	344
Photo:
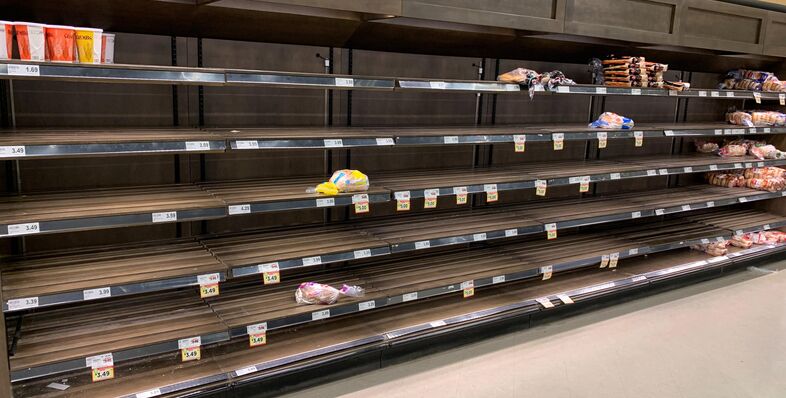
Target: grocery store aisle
720	338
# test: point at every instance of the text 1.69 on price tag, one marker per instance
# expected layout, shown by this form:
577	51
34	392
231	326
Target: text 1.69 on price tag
23	70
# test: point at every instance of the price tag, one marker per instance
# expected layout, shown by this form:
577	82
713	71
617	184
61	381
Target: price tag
451	139
710	204
719	239
402	201
551	231
257	334
767	129
600	90
326	202
430	198
686	208
190	342
563	89
437	324
468	288
651	173
345	82
22	303
101	374
702	93
239	209
540	187
206	291
638	278
668	133
730	94
635	91
498	279
639	136
367	305
511	232
461	195
479	237
308	261
782	99
317	315
190	354
673	93
633	252
362	253
584	182
245	371
361	203
546	272
604	261
737	165
635	214
713	167
748	165
491	192
437	85
603	138
614	258
559	141
165	216
688	169
334	143
99	293
728	131
718	131
271	273
743	199
766	226
545	302
760	164
663	172
520	142
565	298
24	229
197	146
12	151
423	244
705	241
757	97
660	212
615	176
409	297
254	144
739	232
23	70
714	94
149	393
385	142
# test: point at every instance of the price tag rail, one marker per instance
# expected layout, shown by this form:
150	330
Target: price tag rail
297	143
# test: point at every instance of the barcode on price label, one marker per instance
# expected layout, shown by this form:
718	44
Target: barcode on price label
165	216
24	70
362	253
12	151
450	139
424	244
479	237
197	145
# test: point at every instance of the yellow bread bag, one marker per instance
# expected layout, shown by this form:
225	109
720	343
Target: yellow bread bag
344	181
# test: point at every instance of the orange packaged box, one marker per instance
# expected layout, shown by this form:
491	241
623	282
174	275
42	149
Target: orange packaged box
30	40
60	42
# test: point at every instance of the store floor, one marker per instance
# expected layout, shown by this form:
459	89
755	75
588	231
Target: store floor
721	338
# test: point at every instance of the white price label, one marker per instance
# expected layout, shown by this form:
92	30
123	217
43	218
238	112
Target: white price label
545	302
615	176
730	94
239	209
23	70
362	253
633	252
460	190
431	193
92	294
743	199
209	279
316	260
737	165
635	91
711	204
100	361
688	169
345	82
24	229
600	90
718	131
714	94
511	232
638	278
165	216
498	279
752	130
245	371
760	164
489	187
467	284
782	99
685	207
385	141
360	198
437	324
639	136
663	172
149	393
767	129
409	297
251	144
367	305
269	267
565	298
558	136
317	315
326	202
12	151
424	244
668	133
604	260
450	139
197	145
673	93
635	214
613	260
257	328
713	167
437	85
702	93
728	131
660	212
546	272
738	131
739	232
22	303
563	89
766	226
705	241
719	239
334	143
757	97
479	237
651	173
191	342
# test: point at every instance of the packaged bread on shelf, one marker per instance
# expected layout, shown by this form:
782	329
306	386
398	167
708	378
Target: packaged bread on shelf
713	249
343	181
318	293
706	146
728	180
611	120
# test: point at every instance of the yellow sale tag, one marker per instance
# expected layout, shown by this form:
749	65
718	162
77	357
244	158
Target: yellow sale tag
208	290
540	187
191	354
613	260
461	199
257	339
521	146
551	231
492	196
430	203
101	374
757	97
602	139
402	205
361	207
639	135
559	141
468	288
272	277
604	261
520	142
584	186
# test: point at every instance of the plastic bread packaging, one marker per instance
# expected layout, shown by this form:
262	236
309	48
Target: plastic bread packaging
765	152
743	79
764	172
610	120
676	86
518	76
728	180
713	249
742	241
772	184
317	293
730	150
342	181
705	146
536	81
756	118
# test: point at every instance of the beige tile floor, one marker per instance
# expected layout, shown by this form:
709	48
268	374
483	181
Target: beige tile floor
721	338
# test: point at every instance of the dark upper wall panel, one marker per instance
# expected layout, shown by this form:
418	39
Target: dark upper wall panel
645	21
723	26
540	15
